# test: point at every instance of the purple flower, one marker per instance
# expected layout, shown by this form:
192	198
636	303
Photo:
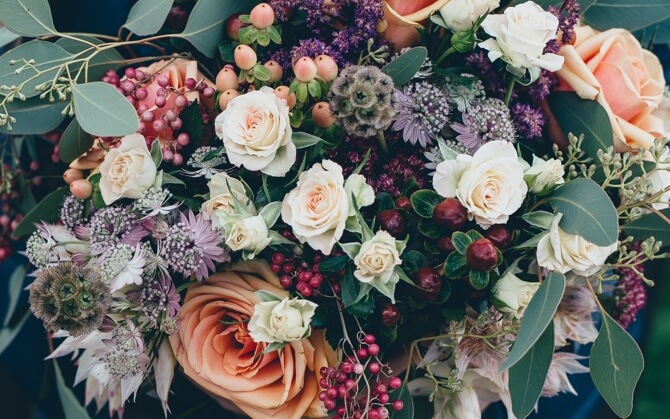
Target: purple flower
422	112
487	120
528	120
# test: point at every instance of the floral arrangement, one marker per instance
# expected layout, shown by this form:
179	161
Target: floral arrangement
345	209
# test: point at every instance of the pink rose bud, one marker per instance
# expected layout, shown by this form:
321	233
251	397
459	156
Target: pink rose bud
245	57
227	79
282	93
233	26
304	69
262	16
81	188
275	69
70	175
326	67
226	97
323	118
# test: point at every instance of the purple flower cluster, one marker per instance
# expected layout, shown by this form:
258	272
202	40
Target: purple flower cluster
630	295
528	120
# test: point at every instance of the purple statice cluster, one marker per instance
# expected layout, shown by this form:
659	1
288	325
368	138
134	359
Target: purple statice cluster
528	119
568	16
630	295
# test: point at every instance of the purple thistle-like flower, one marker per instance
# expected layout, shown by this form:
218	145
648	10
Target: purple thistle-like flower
114	225
528	120
422	112
192	246
159	296
487	120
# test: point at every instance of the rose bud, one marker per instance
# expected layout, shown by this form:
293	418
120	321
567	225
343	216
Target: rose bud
275	70
304	69
227	79
233	26
326	67
403	202
451	214
70	175
481	255
500	235
245	57
322	116
392	221
445	245
282	93
430	282
390	315
226	97
81	188
262	16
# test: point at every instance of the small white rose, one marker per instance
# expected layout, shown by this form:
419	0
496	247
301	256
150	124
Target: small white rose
489	185
250	234
357	186
563	252
459	15
544	175
256	132
318	207
376	260
519	37
128	170
224	191
514	293
281	321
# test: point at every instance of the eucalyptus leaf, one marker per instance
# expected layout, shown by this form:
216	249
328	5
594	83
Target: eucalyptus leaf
74	142
14	285
267	296
34	116
43	212
304	140
102	111
72	409
403	68
27	17
527	377
146	17
628	14
587	211
650	225
99	61
540	219
7	36
616	364
7	334
48	57
537	316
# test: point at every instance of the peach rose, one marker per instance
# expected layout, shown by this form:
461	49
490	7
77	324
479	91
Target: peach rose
215	350
404	17
612	68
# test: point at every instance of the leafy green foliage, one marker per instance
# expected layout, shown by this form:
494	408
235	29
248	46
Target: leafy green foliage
304	140
27	17
403	68
44	211
192	123
650	225
413	261
74	142
72	409
47	57
424	202
9	330
147	16
34	116
101	110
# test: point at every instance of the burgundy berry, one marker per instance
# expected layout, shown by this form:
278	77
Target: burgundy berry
481	255
451	214
392	221
403	202
390	315
429	281
500	235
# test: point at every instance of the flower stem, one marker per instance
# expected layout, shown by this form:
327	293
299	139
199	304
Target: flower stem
510	88
382	141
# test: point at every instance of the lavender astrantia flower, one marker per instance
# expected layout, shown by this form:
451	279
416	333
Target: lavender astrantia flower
153	202
528	120
113	225
488	120
422	112
192	246
72	212
51	244
159	298
464	91
123	265
206	160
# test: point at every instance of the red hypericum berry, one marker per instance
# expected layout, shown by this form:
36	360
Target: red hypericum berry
303	289
500	235
285	281
398	405
322	115
329	404
369	339
262	16
444	244
374	349
481	255
429	281
390	315
331	392
326	68
403	202
392	221
288	267
451	214
395	382
323	371
245	57
177	18
315	282
337	288
276	268
323	396
304	69
278	257
305	276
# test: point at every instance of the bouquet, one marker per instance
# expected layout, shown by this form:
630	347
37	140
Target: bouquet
344	209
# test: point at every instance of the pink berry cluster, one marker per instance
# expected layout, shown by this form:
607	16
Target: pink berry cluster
359	387
9	216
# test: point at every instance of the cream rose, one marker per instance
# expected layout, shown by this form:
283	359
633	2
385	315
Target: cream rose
459	15
563	252
519	37
357	186
256	132
128	170
282	321
490	184
376	261
224	191
514	293
247	233
544	175
318	207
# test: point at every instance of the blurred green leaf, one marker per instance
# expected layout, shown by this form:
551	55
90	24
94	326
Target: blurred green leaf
101	110
650	225
15	285
7	334
146	17
74	142
34	116
27	17
47	58
527	377
71	406
44	211
403	68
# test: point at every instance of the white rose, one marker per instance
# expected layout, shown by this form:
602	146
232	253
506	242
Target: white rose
519	37
514	293
318	207
459	15
256	132
377	259
249	233
357	186
544	175
660	181
281	321
489	184
223	191
563	252
128	170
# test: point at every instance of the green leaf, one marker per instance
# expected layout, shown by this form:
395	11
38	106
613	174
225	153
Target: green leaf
156	153
424	202
314	88
270	213
365	306
456	266
616	364
414	260
650	225
274	32
7	334
34	116
261	72
169	179
71	406
7	36
384	202
204	28
334	263
74	142
27	17
273	347
263	38
628	14
44	211
98	64
461	241
540	219
146	17
48	57
532	242
304	140
587	211
403	68
478	279
537	317
583	116
351	249
14	286
266	296
101	110
527	377
301	92
402	394
428	228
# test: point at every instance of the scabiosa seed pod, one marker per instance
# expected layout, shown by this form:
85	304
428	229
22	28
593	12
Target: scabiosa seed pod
363	100
69	297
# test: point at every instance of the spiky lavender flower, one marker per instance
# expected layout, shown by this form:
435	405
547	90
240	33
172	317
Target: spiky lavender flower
528	120
113	225
51	244
308	48
159	298
72	212
422	112
192	246
488	120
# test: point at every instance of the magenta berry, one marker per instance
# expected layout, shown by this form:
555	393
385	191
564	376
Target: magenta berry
374	349
190	83
395	382
162	80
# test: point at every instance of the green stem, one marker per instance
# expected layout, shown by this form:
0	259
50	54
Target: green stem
510	88
382	141
447	53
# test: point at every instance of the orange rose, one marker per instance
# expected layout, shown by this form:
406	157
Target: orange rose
405	17
215	350
612	68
